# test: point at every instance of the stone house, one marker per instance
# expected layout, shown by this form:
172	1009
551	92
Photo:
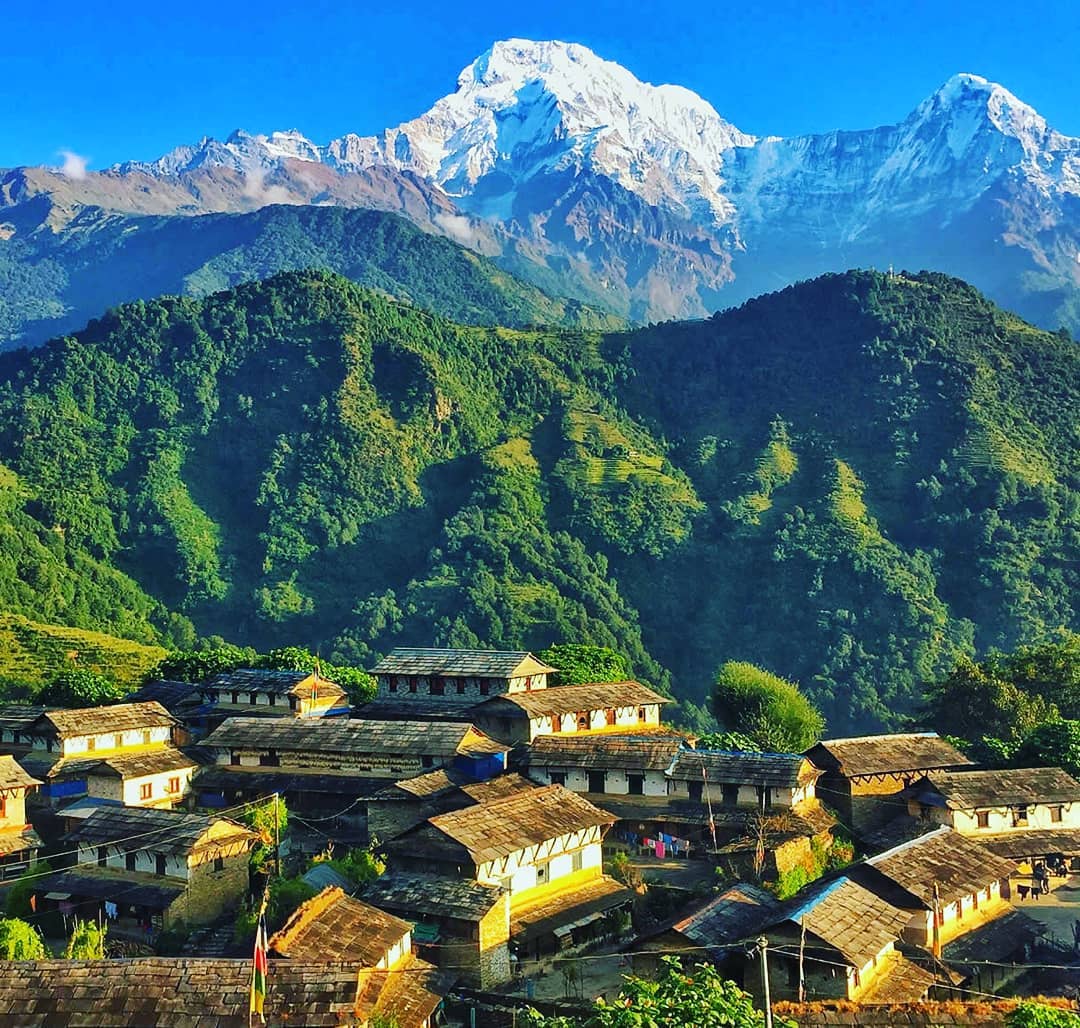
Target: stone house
457	924
661	788
521	717
543	846
147	870
465	677
394	983
863	778
1031	815
396	808
15	722
252	692
125	751
19	842
949	883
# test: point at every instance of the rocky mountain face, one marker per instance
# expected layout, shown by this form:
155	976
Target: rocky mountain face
569	170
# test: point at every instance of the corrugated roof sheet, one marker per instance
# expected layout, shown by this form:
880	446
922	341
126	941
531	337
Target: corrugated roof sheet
884	754
965	790
196	993
632	751
460	663
136	828
734	767
504	826
354	736
13	776
118	717
432	895
956	863
333	926
572	699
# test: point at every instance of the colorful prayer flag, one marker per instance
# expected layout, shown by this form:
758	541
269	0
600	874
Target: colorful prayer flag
259	970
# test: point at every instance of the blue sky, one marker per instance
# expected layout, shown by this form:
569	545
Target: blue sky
124	80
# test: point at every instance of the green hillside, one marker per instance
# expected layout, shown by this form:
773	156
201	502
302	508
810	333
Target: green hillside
33	654
54	283
850	482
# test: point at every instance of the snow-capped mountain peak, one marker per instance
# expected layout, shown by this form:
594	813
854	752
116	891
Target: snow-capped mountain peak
524	108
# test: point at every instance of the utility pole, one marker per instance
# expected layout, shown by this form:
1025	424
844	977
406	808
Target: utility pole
763	947
937	921
802	950
277	836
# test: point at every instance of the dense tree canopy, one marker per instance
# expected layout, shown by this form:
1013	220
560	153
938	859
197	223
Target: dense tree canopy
675	998
301	459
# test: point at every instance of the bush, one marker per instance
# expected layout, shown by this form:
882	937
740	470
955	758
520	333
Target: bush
764	707
87	942
20	941
18	894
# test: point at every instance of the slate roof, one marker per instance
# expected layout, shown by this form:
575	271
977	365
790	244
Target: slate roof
24	838
957	863
280	683
150	762
732	915
173	696
854	921
1035	842
432	895
900	981
137	828
420	708
885	754
264	781
333	926
460	663
18	717
632	751
965	790
571	699
118	717
776	770
411	996
997	940
588	902
137	888
497	788
12	775
178	991
360	736
504	826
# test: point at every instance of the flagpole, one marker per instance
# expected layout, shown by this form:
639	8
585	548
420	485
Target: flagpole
259	965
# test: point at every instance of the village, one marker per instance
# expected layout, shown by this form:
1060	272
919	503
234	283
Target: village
476	840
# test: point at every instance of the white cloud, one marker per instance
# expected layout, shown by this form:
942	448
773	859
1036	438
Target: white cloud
74	165
254	189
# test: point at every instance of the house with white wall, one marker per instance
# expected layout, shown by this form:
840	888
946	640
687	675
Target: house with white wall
19	842
124	751
1027	814
542	846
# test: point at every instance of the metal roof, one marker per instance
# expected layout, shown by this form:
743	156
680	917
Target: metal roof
460	663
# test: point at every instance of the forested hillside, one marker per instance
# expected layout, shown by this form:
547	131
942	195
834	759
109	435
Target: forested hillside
53	282
850	482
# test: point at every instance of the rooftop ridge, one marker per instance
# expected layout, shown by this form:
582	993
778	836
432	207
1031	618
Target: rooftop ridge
885	735
805	908
299	919
909	844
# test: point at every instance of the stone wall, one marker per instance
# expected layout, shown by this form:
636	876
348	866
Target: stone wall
211	892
